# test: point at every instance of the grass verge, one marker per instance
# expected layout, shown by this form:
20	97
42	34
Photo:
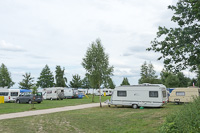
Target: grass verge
46	104
98	120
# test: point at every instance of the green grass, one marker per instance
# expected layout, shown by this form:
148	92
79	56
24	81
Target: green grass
98	120
46	104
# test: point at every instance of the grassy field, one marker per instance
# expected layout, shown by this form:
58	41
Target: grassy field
14	107
98	120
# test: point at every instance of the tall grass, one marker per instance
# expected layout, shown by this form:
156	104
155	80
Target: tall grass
185	120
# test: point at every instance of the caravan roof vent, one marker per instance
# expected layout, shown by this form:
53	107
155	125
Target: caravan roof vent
146	84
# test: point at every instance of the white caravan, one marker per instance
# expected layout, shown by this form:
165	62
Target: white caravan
54	93
5	93
92	91
144	95
70	93
106	91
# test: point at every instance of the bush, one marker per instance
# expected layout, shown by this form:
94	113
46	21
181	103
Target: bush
185	120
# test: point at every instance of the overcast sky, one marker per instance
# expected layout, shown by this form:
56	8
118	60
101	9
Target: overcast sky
58	32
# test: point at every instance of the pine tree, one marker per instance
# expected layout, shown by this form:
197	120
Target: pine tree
60	79
76	81
125	82
5	77
46	78
27	82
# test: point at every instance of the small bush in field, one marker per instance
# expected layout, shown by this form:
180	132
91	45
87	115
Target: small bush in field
185	120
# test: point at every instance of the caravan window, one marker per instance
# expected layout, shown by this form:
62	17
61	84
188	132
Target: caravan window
153	93
14	94
180	93
164	93
121	93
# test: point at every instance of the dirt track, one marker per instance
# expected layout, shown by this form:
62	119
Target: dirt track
47	111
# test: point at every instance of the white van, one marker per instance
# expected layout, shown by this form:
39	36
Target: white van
5	93
54	93
13	94
144	95
184	95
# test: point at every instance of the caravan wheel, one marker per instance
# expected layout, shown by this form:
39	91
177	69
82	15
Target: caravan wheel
135	106
51	98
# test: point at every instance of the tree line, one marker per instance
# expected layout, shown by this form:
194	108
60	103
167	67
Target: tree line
47	79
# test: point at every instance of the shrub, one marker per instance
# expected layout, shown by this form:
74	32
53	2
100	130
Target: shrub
185	120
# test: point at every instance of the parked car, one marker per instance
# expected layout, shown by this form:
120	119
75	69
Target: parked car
29	98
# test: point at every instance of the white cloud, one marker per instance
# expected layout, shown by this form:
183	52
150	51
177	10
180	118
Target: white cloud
10	47
59	33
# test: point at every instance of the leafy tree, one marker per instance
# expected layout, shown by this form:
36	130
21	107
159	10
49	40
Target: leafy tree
60	79
183	81
125	82
46	78
5	77
109	84
179	46
27	82
76	81
86	83
96	63
148	74
171	81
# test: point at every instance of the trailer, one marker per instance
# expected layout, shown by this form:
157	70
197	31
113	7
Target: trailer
13	94
184	95
54	93
104	91
70	93
143	95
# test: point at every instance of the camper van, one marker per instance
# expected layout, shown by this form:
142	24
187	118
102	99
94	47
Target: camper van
144	95
13	94
183	95
54	93
70	93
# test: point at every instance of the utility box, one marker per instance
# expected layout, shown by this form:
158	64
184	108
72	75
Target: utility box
104	94
1	99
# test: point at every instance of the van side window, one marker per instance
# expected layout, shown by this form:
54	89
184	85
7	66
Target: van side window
14	94
180	93
153	93
121	93
3	93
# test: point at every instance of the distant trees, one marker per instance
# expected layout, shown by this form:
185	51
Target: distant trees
86	83
170	79
5	77
27	82
76	81
148	74
60	79
125	82
96	64
46	78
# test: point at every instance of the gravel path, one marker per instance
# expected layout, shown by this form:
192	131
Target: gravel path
48	111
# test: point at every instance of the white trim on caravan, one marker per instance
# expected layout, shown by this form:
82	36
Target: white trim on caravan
54	93
145	95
